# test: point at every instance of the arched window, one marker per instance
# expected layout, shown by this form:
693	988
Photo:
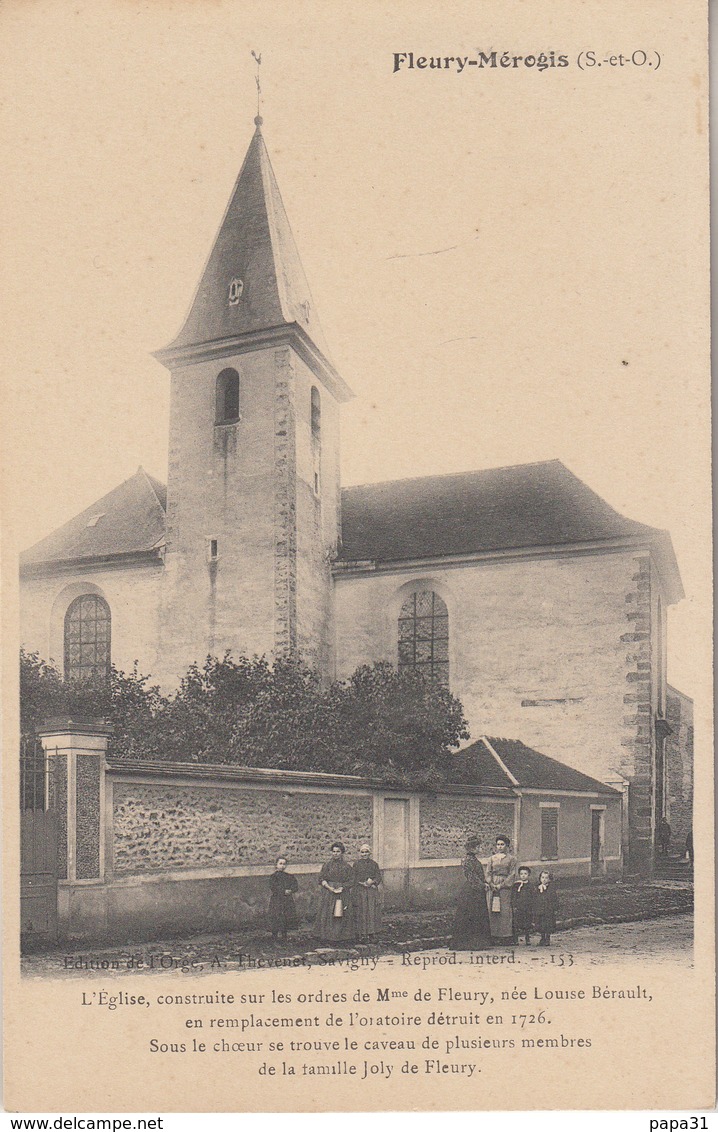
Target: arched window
87	638
316	413
424	636
228	397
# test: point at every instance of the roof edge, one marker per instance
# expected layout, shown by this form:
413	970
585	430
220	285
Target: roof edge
288	333
678	692
253	140
614	544
151	483
667	565
451	475
492	751
49	566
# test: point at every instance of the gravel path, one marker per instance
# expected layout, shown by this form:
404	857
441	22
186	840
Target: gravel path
662	939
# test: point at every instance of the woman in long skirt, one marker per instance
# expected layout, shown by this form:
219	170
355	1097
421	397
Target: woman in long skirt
500	877
471	929
334	917
282	914
366	895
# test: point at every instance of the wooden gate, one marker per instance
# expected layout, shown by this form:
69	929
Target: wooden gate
38	848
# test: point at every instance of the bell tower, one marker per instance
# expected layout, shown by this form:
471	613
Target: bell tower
253	499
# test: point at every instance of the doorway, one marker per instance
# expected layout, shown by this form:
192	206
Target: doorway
38	847
395	856
597	818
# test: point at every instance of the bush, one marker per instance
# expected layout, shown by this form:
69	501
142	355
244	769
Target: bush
125	701
382	724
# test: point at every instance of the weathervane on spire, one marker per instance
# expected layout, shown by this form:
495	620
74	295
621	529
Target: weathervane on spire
258	60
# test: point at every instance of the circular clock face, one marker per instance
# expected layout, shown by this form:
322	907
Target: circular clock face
236	287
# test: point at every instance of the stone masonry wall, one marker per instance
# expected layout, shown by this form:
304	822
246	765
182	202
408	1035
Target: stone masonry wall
679	767
446	822
285	508
316	517
88	777
637	762
221	485
177	826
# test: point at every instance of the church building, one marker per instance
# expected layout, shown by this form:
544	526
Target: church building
541	607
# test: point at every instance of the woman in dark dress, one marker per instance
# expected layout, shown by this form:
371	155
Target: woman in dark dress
366	896
334	917
282	914
471	924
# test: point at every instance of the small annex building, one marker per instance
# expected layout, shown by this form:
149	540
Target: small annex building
562	819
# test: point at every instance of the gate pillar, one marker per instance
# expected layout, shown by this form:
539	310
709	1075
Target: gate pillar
76	752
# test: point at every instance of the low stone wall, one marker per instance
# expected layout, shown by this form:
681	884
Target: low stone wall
157	849
446	821
188	848
174	825
679	768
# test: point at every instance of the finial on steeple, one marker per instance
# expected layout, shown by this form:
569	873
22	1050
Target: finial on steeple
258	59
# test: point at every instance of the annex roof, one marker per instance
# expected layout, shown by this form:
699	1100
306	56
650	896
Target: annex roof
128	520
510	763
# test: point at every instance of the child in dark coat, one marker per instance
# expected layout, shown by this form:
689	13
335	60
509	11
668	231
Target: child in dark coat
545	908
522	904
282	914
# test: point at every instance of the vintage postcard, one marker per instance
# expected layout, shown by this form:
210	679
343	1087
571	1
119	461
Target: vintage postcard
357	556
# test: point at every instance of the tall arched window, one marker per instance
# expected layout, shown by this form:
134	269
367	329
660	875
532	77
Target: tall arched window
424	636
227	397
87	638
316	413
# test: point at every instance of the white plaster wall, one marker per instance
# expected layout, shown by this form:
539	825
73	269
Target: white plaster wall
132	593
250	486
526	629
221	485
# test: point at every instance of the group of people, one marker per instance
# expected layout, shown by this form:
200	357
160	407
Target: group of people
503	903
497	906
349	898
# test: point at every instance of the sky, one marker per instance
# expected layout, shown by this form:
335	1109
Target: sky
509	266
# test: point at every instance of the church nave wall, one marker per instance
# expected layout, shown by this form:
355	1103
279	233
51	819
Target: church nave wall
540	649
132	594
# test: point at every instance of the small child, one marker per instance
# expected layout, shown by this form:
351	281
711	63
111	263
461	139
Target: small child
522	904
545	908
282	913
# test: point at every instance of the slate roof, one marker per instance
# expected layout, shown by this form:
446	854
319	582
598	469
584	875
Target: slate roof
254	244
129	520
531	770
524	505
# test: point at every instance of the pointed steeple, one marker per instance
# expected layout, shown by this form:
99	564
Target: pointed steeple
253	281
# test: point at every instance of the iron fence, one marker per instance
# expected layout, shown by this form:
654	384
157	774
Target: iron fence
36	786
